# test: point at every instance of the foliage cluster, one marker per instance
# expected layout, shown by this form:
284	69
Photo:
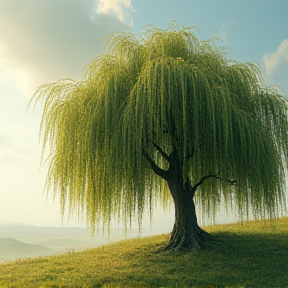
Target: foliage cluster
155	99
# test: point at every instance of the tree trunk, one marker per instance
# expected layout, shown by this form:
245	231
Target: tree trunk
186	233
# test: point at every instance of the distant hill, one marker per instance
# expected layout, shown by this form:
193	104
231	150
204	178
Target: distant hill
10	223
11	249
19	241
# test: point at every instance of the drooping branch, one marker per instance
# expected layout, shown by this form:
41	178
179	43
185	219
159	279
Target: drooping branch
161	151
159	171
194	188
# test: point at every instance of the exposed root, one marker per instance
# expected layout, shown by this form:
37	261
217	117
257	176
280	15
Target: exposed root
182	240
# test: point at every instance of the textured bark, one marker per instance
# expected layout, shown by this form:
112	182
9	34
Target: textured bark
186	233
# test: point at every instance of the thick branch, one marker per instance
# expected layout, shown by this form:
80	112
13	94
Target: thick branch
232	182
160	172
187	158
161	151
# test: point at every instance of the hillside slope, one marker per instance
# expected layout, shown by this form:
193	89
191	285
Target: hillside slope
250	255
50	240
11	249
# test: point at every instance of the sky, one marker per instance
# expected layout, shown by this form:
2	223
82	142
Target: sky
42	41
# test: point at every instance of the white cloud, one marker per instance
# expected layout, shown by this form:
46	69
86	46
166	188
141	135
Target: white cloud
120	8
43	41
272	61
275	68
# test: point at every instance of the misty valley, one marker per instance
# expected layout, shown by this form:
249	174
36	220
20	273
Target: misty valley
19	241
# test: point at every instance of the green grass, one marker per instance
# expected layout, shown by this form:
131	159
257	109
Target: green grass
254	254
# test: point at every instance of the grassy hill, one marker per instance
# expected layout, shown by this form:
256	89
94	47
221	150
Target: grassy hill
15	237
254	254
11	249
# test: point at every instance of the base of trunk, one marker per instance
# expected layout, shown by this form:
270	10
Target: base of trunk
187	239
186	233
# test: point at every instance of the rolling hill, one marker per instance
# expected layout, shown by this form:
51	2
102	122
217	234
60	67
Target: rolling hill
19	241
11	249
246	255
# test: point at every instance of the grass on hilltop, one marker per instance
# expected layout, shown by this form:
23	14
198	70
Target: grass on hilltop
254	254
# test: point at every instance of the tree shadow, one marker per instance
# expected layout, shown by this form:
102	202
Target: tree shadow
238	260
251	259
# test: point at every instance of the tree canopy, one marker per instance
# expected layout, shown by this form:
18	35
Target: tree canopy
153	99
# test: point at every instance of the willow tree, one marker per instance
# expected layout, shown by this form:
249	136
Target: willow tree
164	113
